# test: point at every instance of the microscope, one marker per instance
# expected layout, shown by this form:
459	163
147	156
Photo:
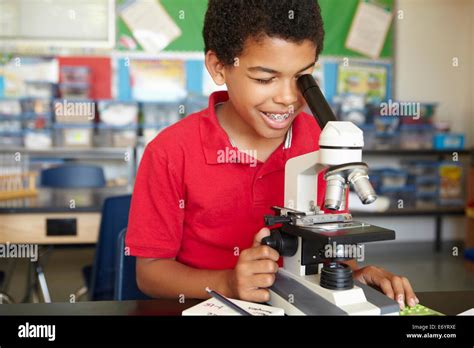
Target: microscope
315	242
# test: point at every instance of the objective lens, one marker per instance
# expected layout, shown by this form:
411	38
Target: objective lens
334	192
360	180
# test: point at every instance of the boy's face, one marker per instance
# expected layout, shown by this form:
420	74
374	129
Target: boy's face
262	83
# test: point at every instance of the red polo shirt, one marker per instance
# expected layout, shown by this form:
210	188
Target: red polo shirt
198	200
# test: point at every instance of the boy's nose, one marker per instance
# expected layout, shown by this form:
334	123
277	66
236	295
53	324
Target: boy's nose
287	94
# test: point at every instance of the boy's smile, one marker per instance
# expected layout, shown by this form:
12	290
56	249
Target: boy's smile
263	94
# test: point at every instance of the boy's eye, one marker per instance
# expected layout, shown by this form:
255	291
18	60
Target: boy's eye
264	82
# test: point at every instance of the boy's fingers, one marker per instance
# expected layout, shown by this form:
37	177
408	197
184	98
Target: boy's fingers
386	286
259	295
257	240
264	266
409	293
397	286
262	252
263	280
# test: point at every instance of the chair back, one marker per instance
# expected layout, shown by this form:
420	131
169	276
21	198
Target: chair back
114	219
73	176
126	287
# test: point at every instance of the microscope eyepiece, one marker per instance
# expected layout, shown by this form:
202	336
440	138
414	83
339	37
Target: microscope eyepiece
318	105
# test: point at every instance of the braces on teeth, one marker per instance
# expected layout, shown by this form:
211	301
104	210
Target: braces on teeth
278	117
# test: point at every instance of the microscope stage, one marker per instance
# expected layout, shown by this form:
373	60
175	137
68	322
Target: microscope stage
353	232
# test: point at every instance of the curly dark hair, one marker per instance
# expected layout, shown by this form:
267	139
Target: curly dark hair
229	23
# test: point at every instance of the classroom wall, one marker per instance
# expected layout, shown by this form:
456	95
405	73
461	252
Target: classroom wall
431	33
427	39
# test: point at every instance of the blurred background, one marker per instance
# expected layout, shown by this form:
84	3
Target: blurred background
85	85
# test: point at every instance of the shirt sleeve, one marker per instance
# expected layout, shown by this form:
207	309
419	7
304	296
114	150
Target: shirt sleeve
156	217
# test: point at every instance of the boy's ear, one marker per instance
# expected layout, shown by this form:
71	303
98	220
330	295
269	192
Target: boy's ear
215	68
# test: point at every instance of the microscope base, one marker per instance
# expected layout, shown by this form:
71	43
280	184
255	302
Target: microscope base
304	296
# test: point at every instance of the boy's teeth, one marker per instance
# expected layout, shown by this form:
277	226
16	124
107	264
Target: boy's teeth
277	117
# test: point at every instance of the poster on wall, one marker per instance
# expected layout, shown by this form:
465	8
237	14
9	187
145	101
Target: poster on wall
150	24
21	71
370	81
369	29
158	80
318	75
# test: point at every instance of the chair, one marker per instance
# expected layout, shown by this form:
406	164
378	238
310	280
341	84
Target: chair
4	297
73	176
126	287
100	278
5	279
64	176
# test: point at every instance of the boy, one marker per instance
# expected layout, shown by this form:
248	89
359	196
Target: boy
205	183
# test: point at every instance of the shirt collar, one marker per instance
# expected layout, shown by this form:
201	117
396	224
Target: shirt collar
213	136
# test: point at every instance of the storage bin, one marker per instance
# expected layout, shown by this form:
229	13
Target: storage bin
448	141
393	178
426	200
386	141
118	114
36	106
421	167
10	107
115	136
11	139
416	137
73	136
75	74
38	139
40	89
451	178
159	115
401	197
75	90
427	112
427	184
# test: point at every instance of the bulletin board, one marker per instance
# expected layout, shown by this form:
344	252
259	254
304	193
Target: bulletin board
337	16
191	26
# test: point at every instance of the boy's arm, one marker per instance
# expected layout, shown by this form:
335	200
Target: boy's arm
168	278
253	274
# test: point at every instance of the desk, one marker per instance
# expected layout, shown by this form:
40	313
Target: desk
450	303
23	221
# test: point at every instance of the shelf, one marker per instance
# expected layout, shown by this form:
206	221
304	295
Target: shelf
421	152
411	212
74	153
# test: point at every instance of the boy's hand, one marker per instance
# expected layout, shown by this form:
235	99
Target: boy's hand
396	287
255	271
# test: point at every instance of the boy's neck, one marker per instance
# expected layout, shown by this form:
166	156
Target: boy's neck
244	136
